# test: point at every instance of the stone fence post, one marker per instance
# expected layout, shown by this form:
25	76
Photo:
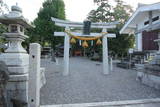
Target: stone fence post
34	75
111	64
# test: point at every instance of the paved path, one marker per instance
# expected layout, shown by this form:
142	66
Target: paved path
86	84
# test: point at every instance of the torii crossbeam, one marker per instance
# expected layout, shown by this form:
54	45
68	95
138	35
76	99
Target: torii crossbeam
69	24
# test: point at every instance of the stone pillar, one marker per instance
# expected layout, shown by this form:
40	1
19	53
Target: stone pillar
57	61
136	42
157	57
159	42
111	64
139	42
66	54
105	54
34	75
17	60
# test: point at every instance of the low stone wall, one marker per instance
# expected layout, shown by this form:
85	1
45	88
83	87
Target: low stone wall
149	75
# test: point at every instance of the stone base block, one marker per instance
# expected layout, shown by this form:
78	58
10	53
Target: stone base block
149	79
17	89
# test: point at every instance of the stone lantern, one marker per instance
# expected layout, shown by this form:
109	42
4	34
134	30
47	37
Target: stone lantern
158	41
16	57
157	59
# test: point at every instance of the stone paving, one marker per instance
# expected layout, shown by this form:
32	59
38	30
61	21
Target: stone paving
86	84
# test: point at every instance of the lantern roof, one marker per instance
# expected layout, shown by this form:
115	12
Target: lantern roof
15	17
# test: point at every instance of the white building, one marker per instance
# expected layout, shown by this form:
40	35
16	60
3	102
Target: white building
144	23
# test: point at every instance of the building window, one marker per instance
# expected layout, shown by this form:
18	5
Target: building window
155	19
146	22
14	29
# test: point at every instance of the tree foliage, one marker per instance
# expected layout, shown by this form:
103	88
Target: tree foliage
102	13
107	13
3	9
44	27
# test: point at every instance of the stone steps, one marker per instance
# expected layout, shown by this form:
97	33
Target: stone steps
130	103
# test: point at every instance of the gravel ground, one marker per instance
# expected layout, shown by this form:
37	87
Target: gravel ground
86	83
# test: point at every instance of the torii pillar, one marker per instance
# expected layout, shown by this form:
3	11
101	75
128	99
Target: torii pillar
105	53
66	53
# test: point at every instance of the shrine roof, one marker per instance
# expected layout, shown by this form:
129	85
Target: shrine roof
137	17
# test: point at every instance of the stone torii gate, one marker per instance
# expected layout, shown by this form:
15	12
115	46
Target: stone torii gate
69	24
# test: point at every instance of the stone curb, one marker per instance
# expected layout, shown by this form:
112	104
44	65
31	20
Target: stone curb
114	103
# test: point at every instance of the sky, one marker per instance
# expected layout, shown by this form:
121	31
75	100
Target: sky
76	10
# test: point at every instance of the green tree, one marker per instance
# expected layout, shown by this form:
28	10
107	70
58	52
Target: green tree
120	12
99	1
122	43
3	9
44	27
103	13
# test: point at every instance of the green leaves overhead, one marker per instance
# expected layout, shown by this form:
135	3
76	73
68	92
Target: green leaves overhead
3	7
107	12
44	27
102	14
